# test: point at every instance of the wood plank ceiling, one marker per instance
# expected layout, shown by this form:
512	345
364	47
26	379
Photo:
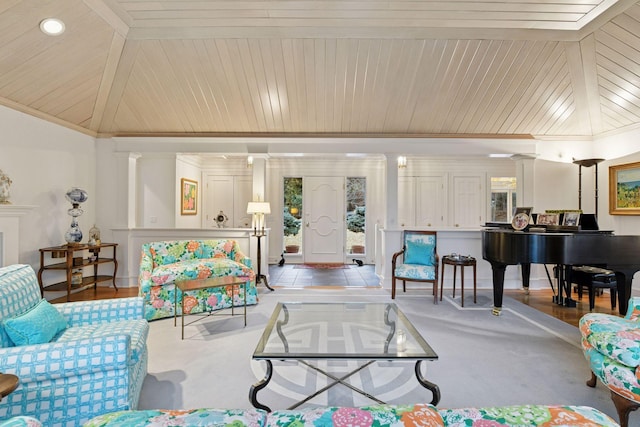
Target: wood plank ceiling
546	68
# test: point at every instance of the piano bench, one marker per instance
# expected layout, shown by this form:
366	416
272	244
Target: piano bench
594	278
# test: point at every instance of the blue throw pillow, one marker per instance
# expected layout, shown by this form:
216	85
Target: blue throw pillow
419	253
38	325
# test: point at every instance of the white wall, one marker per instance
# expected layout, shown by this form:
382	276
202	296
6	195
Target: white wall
187	169
556	186
44	160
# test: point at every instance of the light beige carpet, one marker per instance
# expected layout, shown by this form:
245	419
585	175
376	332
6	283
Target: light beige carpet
523	356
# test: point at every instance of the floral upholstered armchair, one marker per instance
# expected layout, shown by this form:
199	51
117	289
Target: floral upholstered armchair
419	261
611	344
74	360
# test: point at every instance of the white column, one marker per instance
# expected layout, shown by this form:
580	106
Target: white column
132	185
391	191
259	179
525	183
391	241
259	190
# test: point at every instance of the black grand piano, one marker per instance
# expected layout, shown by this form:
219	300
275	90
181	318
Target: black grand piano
503	246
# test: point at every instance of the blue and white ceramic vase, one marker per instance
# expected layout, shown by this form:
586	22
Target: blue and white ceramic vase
75	195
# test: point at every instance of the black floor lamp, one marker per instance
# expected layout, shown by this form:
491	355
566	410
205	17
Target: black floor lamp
587	163
259	210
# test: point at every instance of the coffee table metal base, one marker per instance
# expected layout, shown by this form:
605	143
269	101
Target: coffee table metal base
210	282
253	391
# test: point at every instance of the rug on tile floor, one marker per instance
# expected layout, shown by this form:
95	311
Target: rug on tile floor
322	266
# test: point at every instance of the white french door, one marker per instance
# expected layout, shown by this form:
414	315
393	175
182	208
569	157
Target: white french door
324	219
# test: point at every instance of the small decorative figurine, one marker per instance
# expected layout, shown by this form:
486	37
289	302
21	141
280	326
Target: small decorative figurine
94	236
5	183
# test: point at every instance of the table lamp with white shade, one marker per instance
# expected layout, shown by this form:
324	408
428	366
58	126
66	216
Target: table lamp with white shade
258	210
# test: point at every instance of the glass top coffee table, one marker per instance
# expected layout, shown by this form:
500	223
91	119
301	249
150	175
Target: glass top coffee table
366	332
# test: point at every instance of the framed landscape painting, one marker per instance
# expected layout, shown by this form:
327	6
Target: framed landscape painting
188	197
624	189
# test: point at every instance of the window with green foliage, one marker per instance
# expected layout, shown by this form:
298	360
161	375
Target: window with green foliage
503	198
356	218
292	214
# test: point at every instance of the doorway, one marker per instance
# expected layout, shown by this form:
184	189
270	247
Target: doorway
323	220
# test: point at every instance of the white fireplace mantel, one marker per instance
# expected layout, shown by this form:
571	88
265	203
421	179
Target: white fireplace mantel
10	231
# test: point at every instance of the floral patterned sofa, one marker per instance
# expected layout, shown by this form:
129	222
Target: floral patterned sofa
422	415
611	344
162	263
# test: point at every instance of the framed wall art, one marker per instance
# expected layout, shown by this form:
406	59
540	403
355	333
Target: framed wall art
188	197
624	189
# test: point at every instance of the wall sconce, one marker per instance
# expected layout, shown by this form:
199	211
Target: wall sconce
402	162
259	210
249	161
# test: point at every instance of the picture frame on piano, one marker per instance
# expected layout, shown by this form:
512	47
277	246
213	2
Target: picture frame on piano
571	219
548	219
624	181
526	210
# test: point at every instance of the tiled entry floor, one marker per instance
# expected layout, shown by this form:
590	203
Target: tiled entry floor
290	276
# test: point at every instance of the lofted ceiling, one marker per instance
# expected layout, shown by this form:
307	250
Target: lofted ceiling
502	68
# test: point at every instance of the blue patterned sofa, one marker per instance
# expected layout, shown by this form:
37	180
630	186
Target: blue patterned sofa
162	263
611	345
419	415
74	360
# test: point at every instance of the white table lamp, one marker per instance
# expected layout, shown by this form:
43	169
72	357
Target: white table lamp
259	210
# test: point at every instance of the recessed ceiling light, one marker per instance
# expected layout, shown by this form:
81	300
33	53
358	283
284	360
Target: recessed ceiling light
52	26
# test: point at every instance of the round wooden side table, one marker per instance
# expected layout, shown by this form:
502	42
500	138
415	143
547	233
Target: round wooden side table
462	262
8	383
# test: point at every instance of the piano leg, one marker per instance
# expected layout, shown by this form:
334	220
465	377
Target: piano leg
498	270
624	277
564	286
526	274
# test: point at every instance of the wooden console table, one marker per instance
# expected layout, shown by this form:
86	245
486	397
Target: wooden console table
72	262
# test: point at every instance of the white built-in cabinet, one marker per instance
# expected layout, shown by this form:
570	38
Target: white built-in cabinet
431	206
229	194
426	201
406	201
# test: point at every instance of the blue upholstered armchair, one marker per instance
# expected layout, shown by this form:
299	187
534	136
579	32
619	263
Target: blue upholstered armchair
419	261
74	360
611	345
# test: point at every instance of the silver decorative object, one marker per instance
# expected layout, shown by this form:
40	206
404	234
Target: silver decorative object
221	220
5	183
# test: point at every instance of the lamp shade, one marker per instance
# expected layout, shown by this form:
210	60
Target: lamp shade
259	207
